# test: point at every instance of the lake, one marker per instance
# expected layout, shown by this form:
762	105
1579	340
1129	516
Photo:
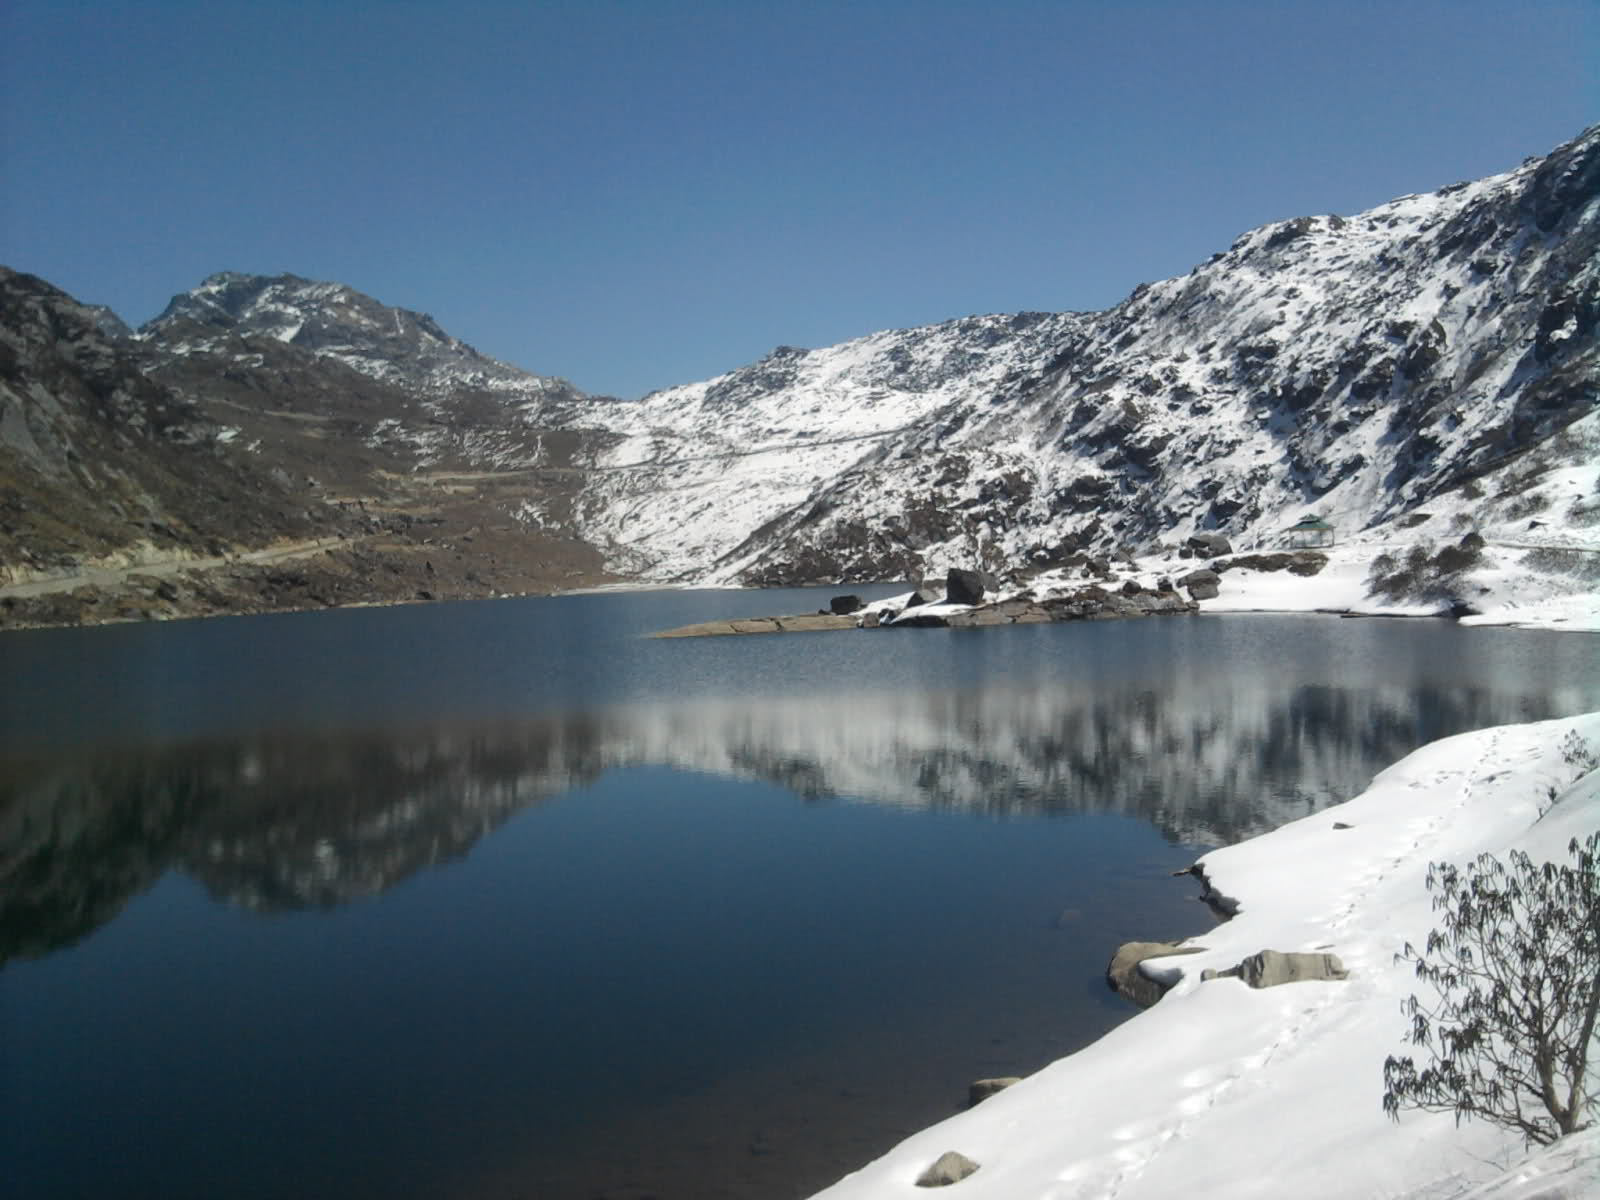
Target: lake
505	899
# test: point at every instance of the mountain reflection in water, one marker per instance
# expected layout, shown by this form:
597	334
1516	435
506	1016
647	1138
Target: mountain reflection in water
298	821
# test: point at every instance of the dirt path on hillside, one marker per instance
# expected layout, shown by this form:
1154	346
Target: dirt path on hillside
114	576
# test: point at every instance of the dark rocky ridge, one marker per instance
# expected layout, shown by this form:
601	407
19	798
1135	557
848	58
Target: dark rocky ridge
141	477
94	455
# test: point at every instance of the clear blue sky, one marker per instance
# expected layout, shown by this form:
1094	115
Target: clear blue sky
634	194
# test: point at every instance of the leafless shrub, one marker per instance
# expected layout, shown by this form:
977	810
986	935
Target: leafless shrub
1525	505
1583	513
1424	575
1582	565
1515	970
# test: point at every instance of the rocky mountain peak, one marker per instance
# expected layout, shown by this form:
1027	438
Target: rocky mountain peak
97	456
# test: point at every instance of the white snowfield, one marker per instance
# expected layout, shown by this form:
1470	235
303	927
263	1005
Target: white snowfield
1534	573
1521	598
1221	1091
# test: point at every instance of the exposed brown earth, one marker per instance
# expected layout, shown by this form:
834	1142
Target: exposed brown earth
140	484
445	555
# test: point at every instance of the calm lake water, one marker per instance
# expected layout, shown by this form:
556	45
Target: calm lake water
505	900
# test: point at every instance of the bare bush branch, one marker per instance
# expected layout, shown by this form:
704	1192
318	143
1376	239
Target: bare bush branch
1515	975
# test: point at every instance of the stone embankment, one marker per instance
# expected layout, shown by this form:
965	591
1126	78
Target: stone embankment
961	605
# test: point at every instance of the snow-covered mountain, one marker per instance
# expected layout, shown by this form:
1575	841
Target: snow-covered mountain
1349	366
445	404
1431	351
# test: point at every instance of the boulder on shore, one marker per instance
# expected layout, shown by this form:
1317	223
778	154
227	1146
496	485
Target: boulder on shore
1124	977
1209	545
963	587
950	1167
1202	585
842	605
1296	562
1269	968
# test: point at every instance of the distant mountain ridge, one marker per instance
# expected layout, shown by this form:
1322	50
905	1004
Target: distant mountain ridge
332	320
1352	366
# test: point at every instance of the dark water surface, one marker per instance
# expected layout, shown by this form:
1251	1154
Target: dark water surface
502	899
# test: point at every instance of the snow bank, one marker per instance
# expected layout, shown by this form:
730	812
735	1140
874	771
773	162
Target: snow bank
1506	591
1225	1092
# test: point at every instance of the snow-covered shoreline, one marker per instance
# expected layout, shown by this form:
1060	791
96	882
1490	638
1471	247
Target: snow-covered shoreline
1505	595
1224	1091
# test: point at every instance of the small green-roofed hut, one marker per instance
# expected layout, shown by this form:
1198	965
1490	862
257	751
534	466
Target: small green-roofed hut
1309	531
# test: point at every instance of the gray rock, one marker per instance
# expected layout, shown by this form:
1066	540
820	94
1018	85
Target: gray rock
913	619
926	594
1125	978
949	1168
989	614
963	587
1169	602
980	1090
845	604
1201	585
1209	545
1269	968
810	623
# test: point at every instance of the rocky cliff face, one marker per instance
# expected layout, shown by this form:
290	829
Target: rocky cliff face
96	457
